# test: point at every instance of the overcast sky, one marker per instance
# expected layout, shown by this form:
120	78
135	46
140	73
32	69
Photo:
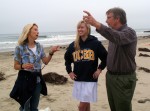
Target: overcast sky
63	15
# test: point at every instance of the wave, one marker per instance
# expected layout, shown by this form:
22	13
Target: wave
8	41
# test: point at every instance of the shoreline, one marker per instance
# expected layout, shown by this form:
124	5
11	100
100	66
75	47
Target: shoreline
104	42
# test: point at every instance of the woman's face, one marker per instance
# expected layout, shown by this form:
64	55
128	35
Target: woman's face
33	34
82	30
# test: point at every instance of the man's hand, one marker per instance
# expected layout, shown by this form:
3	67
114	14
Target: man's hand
91	20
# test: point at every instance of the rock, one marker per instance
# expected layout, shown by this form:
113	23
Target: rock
143	100
2	76
145	55
145	69
54	78
144	49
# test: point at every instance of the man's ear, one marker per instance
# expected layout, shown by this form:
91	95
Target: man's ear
117	19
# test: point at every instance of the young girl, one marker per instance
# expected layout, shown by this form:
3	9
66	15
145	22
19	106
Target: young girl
84	53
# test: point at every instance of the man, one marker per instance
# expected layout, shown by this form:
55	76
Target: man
121	65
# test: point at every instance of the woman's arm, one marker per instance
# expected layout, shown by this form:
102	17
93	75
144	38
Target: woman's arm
52	50
18	66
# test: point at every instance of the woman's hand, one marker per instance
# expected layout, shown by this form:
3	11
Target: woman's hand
28	66
19	66
53	49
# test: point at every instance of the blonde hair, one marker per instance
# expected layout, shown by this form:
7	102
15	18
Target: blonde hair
24	35
77	40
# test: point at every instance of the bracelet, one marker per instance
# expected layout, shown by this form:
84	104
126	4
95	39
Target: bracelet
51	53
21	66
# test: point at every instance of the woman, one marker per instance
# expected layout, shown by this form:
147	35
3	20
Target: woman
84	53
27	59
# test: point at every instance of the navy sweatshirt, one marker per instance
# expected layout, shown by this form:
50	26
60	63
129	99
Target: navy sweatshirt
85	60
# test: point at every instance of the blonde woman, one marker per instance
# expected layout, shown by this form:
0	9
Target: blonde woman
27	59
84	53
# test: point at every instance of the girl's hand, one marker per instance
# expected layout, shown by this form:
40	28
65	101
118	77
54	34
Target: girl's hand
72	76
97	73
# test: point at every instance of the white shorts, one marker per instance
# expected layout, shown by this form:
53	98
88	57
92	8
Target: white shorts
85	91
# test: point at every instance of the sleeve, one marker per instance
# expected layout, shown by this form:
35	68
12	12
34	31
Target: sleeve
102	54
42	52
68	59
121	37
17	56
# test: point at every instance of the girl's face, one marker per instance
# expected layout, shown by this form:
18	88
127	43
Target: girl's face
82	30
33	34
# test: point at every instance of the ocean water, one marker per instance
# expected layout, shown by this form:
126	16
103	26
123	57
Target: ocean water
8	42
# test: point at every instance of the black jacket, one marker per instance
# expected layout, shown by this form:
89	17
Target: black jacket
85	60
25	85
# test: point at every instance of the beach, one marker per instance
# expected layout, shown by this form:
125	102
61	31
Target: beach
59	97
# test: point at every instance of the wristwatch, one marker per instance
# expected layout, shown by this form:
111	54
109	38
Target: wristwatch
51	52
21	66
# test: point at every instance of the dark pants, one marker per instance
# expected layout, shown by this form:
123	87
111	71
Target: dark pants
33	102
120	90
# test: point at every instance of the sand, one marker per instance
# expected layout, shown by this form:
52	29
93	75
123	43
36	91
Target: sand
59	97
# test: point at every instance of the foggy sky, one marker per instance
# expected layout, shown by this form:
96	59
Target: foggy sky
63	15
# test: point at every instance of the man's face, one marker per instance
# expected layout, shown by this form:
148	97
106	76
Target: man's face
111	21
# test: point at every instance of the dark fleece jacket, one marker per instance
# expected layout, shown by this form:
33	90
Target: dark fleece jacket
25	85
